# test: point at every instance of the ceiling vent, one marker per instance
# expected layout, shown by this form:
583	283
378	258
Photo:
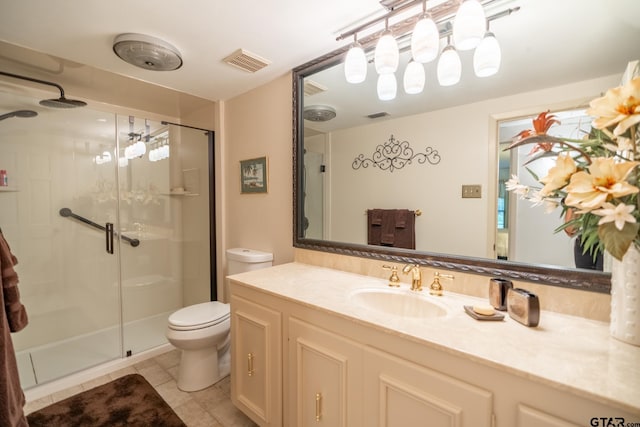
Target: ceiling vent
312	88
319	113
378	115
246	61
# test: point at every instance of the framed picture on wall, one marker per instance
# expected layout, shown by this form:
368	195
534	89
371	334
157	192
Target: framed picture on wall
253	176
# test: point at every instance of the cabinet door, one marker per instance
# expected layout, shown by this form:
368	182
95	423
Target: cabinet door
256	364
325	378
402	393
530	417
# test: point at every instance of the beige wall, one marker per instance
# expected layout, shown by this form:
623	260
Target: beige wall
259	123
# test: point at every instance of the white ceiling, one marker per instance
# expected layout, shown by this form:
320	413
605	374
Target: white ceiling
286	32
573	39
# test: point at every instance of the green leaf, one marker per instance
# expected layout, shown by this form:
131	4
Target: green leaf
533	174
617	241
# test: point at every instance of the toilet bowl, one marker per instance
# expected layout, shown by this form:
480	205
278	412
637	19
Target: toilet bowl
202	333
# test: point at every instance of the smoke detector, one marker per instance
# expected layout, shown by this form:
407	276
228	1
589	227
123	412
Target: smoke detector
319	113
147	52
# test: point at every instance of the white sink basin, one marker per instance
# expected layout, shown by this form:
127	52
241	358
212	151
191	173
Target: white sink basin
399	302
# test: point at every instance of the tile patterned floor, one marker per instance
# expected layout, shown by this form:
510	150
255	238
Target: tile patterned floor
210	407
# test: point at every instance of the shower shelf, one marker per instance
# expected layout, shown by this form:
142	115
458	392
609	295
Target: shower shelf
184	194
8	189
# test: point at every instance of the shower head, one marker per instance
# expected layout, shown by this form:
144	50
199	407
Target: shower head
18	113
61	102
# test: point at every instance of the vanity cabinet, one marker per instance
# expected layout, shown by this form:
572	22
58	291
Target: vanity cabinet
337	382
303	357
325	374
256	365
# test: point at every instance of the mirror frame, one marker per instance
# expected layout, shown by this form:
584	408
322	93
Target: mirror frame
547	275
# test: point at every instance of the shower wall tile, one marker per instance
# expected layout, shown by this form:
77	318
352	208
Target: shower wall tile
39	165
8	212
40	203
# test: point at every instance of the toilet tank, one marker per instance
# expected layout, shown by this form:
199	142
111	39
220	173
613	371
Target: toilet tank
240	260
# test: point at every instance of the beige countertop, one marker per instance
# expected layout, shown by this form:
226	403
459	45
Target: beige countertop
567	352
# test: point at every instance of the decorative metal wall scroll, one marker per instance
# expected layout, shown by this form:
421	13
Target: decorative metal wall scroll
395	154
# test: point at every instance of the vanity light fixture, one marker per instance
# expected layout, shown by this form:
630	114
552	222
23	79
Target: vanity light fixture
387	55
449	66
462	22
413	78
425	39
387	86
469	25
487	56
355	64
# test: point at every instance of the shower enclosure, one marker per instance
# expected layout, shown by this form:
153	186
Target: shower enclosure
93	208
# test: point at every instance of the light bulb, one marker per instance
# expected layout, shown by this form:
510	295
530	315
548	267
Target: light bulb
487	57
387	55
425	40
449	67
387	86
469	25
413	78
355	65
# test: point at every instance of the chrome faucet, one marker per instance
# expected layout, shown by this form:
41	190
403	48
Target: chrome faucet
416	276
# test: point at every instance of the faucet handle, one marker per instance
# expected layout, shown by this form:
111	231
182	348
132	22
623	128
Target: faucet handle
394	280
436	287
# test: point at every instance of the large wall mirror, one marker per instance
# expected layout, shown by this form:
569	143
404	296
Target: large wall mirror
556	55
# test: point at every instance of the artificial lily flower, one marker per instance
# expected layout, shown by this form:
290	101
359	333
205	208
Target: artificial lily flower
620	105
619	214
559	175
604	181
514	185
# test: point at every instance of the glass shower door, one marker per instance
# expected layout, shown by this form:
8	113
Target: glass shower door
62	195
151	214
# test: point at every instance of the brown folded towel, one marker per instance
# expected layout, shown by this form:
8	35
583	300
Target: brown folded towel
401	217
387	239
376	216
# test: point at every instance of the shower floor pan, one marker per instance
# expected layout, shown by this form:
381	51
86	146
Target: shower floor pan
52	361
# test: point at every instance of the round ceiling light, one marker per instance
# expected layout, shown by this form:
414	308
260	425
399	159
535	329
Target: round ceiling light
319	113
147	52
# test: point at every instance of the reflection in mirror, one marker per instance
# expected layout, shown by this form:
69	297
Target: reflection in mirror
517	239
465	125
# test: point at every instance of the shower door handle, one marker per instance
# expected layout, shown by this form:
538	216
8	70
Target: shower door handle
109	235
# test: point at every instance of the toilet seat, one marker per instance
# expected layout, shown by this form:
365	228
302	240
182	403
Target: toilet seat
199	316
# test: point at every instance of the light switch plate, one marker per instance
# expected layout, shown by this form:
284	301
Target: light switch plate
471	191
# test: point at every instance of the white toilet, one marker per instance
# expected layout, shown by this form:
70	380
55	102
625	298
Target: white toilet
202	331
